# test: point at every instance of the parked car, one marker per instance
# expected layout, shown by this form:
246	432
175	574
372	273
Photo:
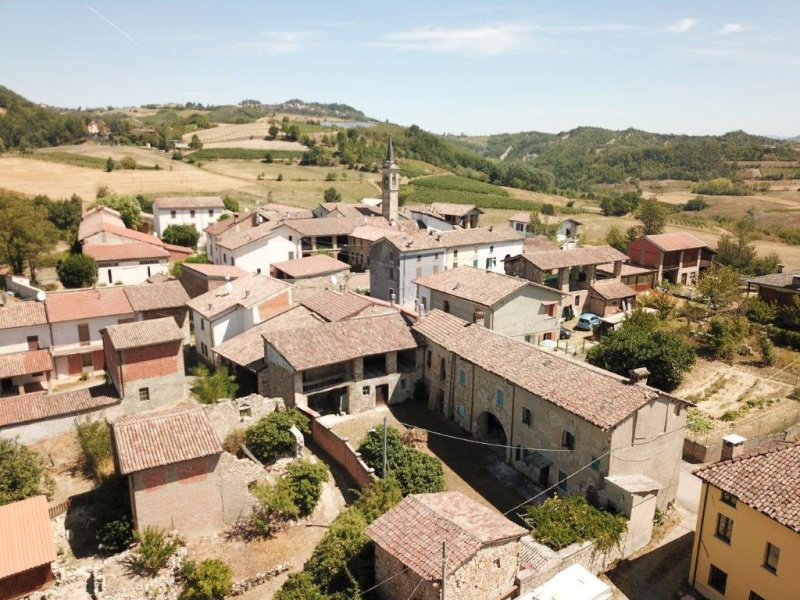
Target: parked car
564	334
588	321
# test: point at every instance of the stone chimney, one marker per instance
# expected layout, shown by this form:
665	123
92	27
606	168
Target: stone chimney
478	317
732	446
781	268
638	376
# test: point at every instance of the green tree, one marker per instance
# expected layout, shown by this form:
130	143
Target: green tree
231	204
641	342
211	579
128	162
652	215
195	143
22	473
726	334
273	131
26	233
331	195
616	239
129	209
292	133
181	235
719	285
76	271
767	350
548	209
759	311
560	522
210	387
110	164
65	215
660	301
270	438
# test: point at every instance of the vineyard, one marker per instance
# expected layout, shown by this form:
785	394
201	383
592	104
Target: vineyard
461	190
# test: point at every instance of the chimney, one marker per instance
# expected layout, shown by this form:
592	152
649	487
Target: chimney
491	227
391	297
781	268
478	317
638	376
247	293
732	446
209	306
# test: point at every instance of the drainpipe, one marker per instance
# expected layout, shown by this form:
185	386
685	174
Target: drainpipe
700	537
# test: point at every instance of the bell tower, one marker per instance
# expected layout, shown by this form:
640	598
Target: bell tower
390	186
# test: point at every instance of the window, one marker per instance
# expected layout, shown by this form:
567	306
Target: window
419	258
83	334
144	394
771	556
724	528
729	499
577	300
86	361
33	342
562	481
245	412
462	377
446	306
173	214
460	410
518	453
754	596
203	349
224	257
202	324
290	238
475	262
717	579
210	212
567	440
499	398
491	249
442	370
595	464
491	262
191	214
365	390
428	358
527	416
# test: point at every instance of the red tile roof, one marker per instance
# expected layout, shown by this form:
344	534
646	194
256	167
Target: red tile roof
26	536
311	266
767	481
143	333
241	236
671	242
335	306
157	296
163	438
574	257
245	292
188	202
325	226
22	314
132	234
128	251
414	530
87	304
538	244
453	210
612	290
25	363
15	410
215	271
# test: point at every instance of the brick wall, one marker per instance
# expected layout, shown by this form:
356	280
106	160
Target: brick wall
274	305
159	368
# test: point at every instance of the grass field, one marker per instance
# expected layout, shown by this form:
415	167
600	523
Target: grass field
244	154
239	136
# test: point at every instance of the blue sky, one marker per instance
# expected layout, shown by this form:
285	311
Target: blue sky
682	67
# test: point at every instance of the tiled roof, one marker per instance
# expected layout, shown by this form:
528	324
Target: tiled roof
22	314
247	349
348	209
244	220
369	232
237	237
25	363
525	217
476	285
188	202
766	480
93	221
782	280
440	327
157	296
612	290
215	271
412	241
245	291
450	209
574	257
26	536
671	242
87	304
143	333
128	251
342	341
325	226
538	244
163	438
626	270
414	530
311	266
335	306
132	234
272	210
15	410
595	395
479	235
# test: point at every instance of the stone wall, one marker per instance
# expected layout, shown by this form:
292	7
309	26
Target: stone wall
236	477
228	415
274	380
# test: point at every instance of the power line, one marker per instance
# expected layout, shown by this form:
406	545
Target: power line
377	585
421	579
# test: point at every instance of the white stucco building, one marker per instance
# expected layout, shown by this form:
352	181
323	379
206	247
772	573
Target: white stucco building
198	211
129	263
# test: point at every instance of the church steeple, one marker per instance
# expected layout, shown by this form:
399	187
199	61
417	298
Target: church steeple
390	198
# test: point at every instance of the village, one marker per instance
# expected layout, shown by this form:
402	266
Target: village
399	402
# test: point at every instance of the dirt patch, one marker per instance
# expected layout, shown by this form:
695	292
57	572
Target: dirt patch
64	457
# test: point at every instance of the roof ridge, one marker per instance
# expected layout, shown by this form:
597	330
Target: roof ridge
765	450
439	516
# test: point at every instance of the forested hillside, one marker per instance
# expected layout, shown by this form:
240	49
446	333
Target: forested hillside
24	124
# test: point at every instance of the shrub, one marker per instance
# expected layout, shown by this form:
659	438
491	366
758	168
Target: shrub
231	204
77	270
234	441
305	479
725	335
211	579
300	586
128	162
761	312
721	187
110	164
181	235
784	337
210	387
560	522
94	437
22	473
153	550
332	195
695	204
293	496
663	302
269	438
767	350
115	536
698	421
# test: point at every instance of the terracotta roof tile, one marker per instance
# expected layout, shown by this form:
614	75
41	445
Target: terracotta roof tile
132	234
188	202
767	481
26	536
538	244
215	271
414	530
163	438
350	209
143	333
453	210
335	306
342	341
93	221
245	292
129	251
612	290
25	363
22	314
157	296
574	257
241	236
595	395
311	266
479	235
15	410
441	328
87	304
325	226
671	242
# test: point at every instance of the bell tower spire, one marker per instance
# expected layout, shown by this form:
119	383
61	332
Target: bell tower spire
390	198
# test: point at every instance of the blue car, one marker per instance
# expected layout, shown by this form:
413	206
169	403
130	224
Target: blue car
588	321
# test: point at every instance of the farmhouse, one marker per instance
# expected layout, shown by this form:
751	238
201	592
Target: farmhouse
483	549
127	263
676	257
780	288
197	211
27	549
523	396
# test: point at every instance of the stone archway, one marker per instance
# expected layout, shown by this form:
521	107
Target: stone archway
490	429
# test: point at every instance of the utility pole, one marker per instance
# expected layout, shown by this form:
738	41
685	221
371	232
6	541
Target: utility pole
384	447
444	567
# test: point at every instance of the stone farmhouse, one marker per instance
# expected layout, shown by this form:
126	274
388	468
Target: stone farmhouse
197	211
676	257
443	216
747	539
345	366
27	549
509	305
227	311
482	546
503	390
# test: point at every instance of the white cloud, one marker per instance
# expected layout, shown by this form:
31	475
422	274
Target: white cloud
683	26
731	28
273	43
485	40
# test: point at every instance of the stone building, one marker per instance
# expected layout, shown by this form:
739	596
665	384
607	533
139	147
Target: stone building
482	549
676	257
27	549
346	366
172	461
144	361
444	216
390	186
523	396
509	305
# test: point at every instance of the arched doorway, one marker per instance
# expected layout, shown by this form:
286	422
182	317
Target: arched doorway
490	429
